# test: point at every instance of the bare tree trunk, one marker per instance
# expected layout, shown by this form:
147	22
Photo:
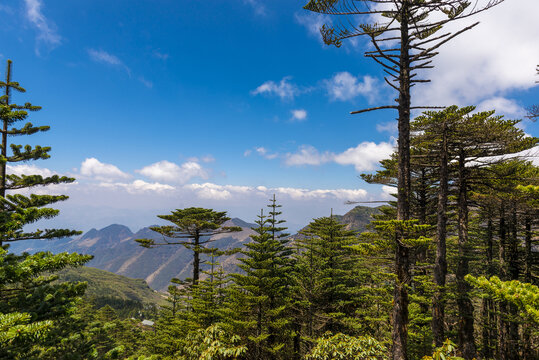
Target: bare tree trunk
503	348
513	337
465	306
527	352
196	259
440	265
399	350
528	246
487	304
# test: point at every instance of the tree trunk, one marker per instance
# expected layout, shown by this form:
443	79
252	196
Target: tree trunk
4	138
440	265
487	310
464	303
527	352
196	259
503	348
528	246
399	350
503	241
513	337
514	270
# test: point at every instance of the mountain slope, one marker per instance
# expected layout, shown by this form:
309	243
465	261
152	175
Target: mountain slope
115	250
102	283
356	219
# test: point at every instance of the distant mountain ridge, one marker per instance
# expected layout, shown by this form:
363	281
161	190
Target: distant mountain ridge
115	250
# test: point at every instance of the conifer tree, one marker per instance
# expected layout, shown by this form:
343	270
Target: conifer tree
17	210
462	145
415	25
29	298
326	278
431	133
507	224
260	293
193	227
206	301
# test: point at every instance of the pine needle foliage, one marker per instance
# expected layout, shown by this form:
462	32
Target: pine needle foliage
406	36
31	303
326	278
17	210
192	228
260	294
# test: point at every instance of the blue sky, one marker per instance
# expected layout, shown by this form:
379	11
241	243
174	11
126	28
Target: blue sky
157	105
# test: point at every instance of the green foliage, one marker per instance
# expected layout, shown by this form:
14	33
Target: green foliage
193	229
128	297
190	224
16	326
447	351
345	347
259	304
88	333
524	296
30	296
326	277
31	303
212	343
19	210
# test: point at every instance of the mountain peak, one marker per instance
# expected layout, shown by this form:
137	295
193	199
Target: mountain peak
116	228
238	222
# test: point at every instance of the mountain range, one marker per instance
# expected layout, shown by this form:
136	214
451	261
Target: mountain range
115	250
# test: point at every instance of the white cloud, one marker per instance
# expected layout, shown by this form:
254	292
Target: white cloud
389	127
262	151
257	6
388	192
207	159
307	155
94	168
160	55
305	194
364	157
104	57
46	29
204	159
171	172
498	55
228	192
344	86
136	203
139	186
217	192
299	115
25	169
502	106
313	22
145	82
284	89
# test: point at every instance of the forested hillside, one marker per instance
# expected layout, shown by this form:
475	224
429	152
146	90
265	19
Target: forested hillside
129	297
447	267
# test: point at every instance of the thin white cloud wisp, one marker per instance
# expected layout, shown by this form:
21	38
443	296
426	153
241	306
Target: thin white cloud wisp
47	33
